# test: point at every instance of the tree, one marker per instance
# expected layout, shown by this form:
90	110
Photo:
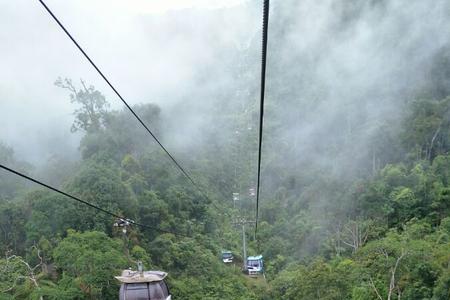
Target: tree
400	265
98	181
353	234
317	280
10	184
90	260
426	129
393	282
12	229
90	117
21	279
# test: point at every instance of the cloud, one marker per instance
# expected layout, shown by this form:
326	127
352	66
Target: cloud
151	51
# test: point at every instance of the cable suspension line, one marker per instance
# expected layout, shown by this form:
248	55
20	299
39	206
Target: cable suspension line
261	110
91	205
185	173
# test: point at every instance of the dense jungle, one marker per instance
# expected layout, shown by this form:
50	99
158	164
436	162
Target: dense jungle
355	187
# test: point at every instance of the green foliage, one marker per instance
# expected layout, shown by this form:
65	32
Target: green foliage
365	212
20	279
90	117
99	182
318	280
426	130
12	229
89	261
10	185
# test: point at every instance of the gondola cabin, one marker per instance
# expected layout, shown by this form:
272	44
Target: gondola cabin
227	257
147	285
255	265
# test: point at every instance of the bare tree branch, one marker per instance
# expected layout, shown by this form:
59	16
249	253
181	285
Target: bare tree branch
393	271
374	288
30	270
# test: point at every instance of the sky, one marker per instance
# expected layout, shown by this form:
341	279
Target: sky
165	52
151	51
163	6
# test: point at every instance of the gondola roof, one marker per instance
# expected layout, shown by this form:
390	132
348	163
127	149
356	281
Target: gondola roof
129	276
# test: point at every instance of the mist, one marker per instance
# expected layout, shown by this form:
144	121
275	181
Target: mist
152	54
355	149
347	68
340	77
337	73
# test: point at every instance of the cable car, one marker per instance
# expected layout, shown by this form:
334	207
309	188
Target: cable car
235	196
227	256
143	285
255	265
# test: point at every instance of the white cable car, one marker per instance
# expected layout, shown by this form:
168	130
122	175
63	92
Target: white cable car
235	196
227	256
255	265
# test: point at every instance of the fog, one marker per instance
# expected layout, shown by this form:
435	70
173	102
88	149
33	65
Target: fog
152	53
340	75
337	71
344	68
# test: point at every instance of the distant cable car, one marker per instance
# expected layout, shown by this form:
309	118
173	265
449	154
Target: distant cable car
143	285
252	192
255	265
123	223
227	256
235	196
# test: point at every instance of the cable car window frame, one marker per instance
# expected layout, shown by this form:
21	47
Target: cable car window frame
156	291
165	287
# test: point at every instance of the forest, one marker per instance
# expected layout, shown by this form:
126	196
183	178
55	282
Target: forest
355	189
